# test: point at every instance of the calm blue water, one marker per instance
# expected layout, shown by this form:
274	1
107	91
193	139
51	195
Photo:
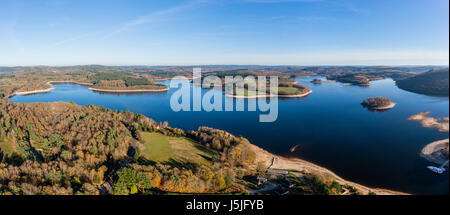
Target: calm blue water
378	149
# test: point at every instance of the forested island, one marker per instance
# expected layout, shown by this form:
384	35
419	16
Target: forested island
360	80
318	81
378	103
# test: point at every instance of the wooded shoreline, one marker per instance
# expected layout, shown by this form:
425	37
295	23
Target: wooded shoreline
31	92
268	96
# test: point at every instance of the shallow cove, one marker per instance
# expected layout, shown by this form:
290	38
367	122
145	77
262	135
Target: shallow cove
330	127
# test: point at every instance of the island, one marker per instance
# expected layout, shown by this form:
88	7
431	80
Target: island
378	103
351	79
318	81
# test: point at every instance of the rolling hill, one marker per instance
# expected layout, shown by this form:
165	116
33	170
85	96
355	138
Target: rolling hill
434	82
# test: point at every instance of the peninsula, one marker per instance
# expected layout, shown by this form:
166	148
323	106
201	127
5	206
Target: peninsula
434	82
437	151
26	83
285	90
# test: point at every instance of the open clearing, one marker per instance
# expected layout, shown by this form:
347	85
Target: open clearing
247	92
185	149
156	147
287	90
160	148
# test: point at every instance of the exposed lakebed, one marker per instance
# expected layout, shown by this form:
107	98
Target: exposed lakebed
328	127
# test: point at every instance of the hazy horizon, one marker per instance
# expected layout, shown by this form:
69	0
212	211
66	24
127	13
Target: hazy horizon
218	32
235	65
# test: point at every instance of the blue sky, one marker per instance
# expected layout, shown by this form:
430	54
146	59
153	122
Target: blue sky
267	32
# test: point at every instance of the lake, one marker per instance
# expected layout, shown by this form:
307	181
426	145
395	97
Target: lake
332	129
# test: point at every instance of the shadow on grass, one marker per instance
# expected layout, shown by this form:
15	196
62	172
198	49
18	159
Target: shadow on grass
171	162
146	162
181	164
209	159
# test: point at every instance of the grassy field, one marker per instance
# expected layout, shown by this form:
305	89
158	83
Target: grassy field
156	147
281	91
160	148
187	150
287	90
246	92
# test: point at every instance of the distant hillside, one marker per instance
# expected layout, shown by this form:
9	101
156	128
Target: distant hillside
434	82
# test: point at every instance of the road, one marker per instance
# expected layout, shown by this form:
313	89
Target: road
268	187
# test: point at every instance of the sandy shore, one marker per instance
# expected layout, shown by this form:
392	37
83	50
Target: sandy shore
391	105
431	122
50	83
268	96
32	92
68	82
433	151
361	85
301	165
